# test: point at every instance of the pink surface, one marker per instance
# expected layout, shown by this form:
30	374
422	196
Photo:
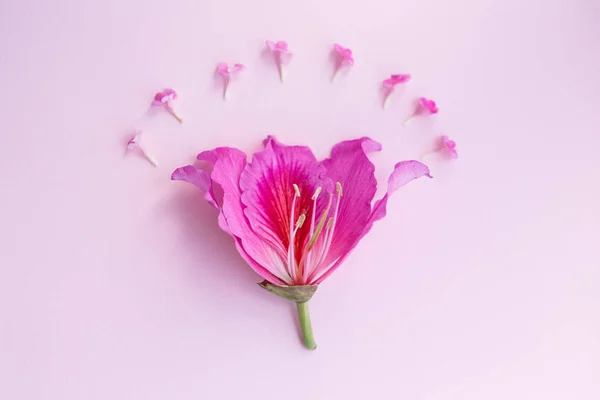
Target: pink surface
480	284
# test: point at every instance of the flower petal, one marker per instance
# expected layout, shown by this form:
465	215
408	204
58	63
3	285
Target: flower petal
228	164
281	45
237	68
350	166
192	175
267	185
223	69
170	92
428	105
388	83
404	172
197	177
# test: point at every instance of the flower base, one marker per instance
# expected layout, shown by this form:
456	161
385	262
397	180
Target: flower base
299	295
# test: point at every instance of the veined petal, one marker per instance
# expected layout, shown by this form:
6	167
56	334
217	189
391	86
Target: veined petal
228	164
350	166
404	172
268	193
197	177
271	267
201	179
228	167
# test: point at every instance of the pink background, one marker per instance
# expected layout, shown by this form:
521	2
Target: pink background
480	284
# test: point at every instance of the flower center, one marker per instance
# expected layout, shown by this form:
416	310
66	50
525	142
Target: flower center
315	251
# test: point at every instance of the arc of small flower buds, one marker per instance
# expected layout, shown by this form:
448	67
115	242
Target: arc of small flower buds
343	58
134	143
227	73
165	99
424	107
390	84
281	55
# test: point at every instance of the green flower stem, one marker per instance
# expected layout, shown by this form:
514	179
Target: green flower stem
307	334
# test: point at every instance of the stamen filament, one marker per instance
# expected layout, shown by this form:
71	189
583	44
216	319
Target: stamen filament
330	230
313	237
305	261
299	224
322	220
329	235
323	250
291	257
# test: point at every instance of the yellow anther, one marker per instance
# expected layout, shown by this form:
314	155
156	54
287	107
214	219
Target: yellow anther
338	187
300	221
317	192
297	190
329	223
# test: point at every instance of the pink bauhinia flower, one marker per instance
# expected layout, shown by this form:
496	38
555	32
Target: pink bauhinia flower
165	99
134	144
281	55
389	85
424	107
227	73
343	58
295	219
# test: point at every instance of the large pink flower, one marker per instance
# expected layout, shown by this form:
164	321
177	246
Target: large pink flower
295	219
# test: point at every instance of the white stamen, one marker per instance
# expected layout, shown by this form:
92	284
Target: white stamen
323	250
309	263
317	192
291	257
308	255
329	231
